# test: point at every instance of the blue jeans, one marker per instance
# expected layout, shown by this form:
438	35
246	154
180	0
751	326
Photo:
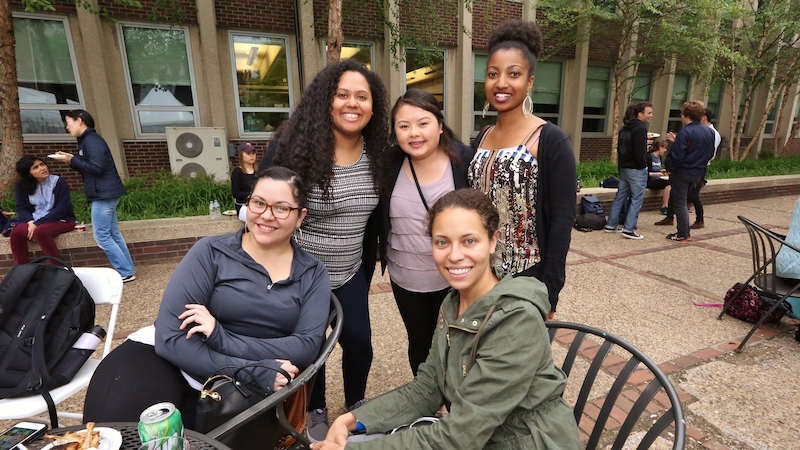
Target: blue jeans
107	235
632	183
681	185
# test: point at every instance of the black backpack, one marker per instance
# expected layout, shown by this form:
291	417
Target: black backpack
44	309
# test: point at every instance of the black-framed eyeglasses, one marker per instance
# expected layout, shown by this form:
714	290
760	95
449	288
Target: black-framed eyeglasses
279	210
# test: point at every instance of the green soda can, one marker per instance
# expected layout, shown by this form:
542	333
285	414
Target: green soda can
162	420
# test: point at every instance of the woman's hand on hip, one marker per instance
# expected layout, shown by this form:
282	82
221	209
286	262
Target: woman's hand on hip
280	379
198	315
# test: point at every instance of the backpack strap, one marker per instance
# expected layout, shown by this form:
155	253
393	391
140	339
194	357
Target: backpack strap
532	137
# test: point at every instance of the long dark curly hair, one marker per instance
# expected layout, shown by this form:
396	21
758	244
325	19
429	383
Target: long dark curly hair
306	141
26	181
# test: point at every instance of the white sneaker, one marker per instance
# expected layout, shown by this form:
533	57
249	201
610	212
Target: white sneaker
612	230
632	235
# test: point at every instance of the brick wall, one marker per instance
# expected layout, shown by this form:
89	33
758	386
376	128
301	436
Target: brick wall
126	12
423	24
360	19
487	14
552	43
145	156
61	6
595	149
42	149
603	45
141	252
275	15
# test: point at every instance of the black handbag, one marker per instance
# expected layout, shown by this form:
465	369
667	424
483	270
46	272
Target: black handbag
223	396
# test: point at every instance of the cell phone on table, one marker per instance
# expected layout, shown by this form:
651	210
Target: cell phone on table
21	433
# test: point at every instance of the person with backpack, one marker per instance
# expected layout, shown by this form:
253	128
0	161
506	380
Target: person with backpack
103	189
44	209
632	162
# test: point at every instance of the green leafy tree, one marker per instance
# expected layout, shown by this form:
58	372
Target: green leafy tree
660	33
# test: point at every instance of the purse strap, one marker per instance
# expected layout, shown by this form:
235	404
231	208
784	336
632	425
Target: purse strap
247	369
416	181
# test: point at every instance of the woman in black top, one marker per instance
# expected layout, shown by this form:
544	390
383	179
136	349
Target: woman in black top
242	176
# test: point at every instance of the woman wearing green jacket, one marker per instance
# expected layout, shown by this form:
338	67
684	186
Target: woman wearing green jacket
490	361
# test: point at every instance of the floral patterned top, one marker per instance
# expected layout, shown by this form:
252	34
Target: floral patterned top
508	176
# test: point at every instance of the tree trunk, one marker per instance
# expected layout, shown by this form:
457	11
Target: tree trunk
11	149
615	117
779	122
335	36
792	134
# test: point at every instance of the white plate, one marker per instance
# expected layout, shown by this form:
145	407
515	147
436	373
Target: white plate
230	212
110	439
652	135
56	156
664	178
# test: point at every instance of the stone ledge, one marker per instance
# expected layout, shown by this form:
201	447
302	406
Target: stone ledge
148	240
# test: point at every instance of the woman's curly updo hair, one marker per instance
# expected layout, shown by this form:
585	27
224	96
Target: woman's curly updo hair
471	200
27	182
521	35
305	142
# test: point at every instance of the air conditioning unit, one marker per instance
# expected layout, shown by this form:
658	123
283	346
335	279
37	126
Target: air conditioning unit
194	151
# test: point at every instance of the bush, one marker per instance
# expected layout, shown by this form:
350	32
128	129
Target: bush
591	173
156	195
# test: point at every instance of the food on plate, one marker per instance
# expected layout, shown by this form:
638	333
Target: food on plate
56	156
230	212
80	440
652	135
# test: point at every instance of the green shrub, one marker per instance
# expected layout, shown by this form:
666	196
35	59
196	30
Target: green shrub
593	172
156	195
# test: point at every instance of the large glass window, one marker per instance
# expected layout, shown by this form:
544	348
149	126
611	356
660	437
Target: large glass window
479	95
715	92
641	87
158	62
547	91
426	72
47	80
361	52
263	90
595	101
680	94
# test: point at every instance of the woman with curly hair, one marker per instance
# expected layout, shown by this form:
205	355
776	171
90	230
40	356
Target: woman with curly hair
335	140
525	164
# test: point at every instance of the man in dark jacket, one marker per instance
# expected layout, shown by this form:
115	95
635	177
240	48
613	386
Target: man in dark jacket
687	161
632	162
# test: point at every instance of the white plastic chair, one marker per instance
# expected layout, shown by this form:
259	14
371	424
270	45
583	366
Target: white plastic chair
105	287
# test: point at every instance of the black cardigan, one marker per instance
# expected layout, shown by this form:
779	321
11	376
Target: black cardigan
555	207
396	156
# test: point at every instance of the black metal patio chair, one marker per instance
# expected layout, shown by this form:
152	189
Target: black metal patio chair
764	245
245	432
638	418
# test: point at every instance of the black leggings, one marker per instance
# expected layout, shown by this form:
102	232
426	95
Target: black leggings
356	342
419	311
131	379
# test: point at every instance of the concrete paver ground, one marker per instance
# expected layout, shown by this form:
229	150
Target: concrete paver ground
643	291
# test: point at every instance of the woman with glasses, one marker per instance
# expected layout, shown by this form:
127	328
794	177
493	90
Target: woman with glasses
235	299
335	140
103	189
490	361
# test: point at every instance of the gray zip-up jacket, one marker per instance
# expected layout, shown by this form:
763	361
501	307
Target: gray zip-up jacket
256	319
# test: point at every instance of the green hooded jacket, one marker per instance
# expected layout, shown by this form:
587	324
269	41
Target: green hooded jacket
509	399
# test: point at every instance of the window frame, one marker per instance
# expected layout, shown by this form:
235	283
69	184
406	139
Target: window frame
445	70
240	110
47	137
135	109
479	113
605	116
678	119
352	42
545	116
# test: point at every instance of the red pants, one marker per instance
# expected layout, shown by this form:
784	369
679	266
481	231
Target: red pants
44	235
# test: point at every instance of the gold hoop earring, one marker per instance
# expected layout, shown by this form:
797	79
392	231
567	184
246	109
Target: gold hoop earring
485	108
527	105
